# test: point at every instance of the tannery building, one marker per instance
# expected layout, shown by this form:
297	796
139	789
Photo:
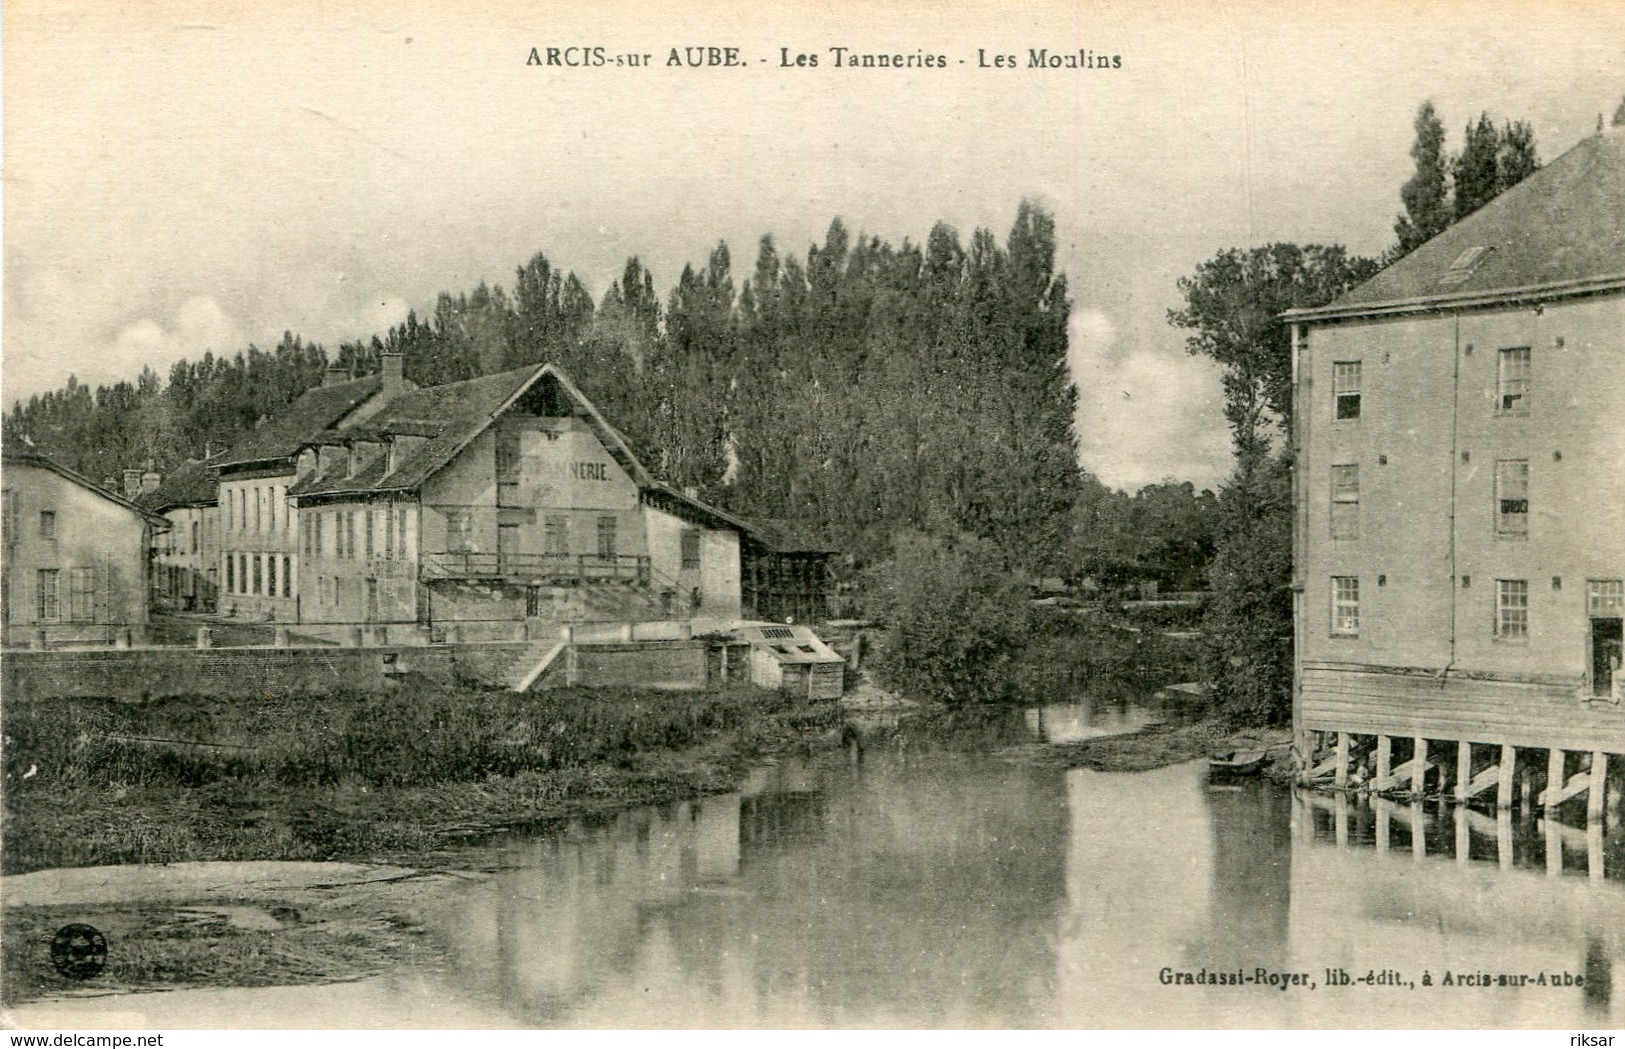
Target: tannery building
501	504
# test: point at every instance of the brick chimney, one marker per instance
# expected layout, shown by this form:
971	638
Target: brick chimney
149	480
393	378
132	483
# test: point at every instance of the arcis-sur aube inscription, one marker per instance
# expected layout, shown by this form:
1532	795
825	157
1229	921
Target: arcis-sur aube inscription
841	57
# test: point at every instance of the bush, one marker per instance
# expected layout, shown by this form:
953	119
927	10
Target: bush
956	618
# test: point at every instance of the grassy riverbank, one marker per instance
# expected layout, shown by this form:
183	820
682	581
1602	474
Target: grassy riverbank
393	777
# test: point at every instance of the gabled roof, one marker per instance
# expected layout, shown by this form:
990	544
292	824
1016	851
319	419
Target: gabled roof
318	408
14	457
191	484
450	417
1561	231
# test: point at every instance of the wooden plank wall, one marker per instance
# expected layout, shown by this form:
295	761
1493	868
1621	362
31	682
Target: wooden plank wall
1419	704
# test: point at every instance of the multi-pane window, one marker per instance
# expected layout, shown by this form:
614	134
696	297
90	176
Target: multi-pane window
270	575
367	526
231	574
349	534
1512	381
197	535
287	576
606	537
1605	597
259	574
47	524
691	549
1346	389
459	531
1512	609
1345	606
389	532
50	597
242	575
556	535
1346	502
82	595
1512	497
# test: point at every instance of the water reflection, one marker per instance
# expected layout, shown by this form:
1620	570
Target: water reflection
911	890
934	882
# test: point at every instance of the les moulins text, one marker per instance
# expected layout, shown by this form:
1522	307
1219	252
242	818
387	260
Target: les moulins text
594	57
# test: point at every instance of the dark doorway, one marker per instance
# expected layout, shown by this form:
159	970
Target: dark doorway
1605	653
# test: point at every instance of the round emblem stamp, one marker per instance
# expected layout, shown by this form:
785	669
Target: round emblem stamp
79	951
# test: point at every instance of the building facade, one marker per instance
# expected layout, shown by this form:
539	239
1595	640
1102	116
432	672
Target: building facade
186	557
75	557
1460	478
258	572
498	505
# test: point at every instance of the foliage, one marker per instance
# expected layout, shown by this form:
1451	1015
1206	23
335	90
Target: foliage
1162	533
1619	114
956	619
1427	193
1234	306
864	390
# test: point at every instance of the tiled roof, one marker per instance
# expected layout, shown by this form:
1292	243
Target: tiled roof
1562	228
318	408
450	416
14	457
192	484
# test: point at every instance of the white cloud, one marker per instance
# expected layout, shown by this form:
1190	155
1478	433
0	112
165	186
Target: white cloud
1144	416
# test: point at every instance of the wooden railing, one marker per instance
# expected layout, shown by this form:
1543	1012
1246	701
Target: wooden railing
551	568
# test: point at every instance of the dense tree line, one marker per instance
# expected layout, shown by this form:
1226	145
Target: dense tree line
867	390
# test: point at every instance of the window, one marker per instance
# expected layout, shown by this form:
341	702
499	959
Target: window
1512	497
197	535
1346	502
231	574
1512	382
389	532
1512	609
1345	606
1605	597
11	518
367	524
82	595
228	510
691	549
242	574
349	534
459	532
259	574
400	531
556	535
47	524
1346	389
270	575
50	598
606	538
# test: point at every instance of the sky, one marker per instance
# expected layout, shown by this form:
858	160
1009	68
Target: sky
185	177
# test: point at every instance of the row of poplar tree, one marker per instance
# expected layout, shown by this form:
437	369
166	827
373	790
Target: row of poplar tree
859	391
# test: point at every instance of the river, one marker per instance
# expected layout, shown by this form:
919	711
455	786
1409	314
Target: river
932	881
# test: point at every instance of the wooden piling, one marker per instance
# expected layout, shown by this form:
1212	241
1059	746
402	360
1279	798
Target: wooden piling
1503	838
1598	789
1554	779
1419	766
1464	836
1464	770
1503	787
1341	779
1385	762
1554	846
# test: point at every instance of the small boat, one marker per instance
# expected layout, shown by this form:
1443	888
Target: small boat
1236	765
